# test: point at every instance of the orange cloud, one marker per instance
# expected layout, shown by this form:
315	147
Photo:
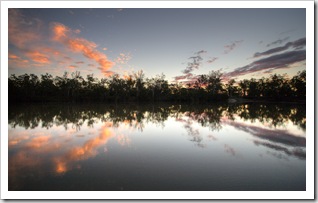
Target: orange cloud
38	57
12	56
38	142
51	51
63	34
72	66
16	139
89	149
123	140
17	61
60	31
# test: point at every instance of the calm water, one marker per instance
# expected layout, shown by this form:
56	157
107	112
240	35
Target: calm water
157	147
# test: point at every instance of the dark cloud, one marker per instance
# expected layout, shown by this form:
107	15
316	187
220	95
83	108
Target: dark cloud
67	58
275	136
230	47
279	41
301	154
195	63
212	59
187	79
298	44
270	63
183	77
192	132
229	150
201	52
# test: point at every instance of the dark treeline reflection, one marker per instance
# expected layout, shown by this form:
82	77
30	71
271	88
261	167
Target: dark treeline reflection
156	147
45	116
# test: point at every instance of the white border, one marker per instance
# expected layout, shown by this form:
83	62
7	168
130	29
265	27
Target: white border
157	4
308	194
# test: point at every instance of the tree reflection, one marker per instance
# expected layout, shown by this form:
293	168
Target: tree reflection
138	116
48	115
49	149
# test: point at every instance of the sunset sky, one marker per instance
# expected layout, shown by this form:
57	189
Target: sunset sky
180	43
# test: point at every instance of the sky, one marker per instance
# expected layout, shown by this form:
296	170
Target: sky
180	43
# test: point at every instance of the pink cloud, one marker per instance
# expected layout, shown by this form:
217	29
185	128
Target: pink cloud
22	31
123	58
38	57
228	48
63	34
211	60
77	31
13	56
72	66
17	61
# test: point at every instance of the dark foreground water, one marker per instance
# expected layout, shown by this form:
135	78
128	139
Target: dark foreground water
157	147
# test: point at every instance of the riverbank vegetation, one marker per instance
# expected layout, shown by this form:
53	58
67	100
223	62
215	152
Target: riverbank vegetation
136	87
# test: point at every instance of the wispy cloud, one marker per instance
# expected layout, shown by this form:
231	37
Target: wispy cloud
80	62
22	31
279	41
123	58
212	59
275	136
273	62
64	35
38	57
230	47
196	61
228	149
298	44
301	154
17	61
72	66
13	56
183	77
107	73
278	61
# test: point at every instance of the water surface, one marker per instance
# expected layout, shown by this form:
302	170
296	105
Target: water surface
157	147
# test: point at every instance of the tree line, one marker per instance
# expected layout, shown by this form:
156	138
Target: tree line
72	87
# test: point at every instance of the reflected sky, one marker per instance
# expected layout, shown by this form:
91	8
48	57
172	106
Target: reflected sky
154	147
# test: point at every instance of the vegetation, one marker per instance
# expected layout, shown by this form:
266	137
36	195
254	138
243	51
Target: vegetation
137	88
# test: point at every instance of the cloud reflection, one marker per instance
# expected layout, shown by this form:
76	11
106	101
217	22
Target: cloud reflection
89	149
